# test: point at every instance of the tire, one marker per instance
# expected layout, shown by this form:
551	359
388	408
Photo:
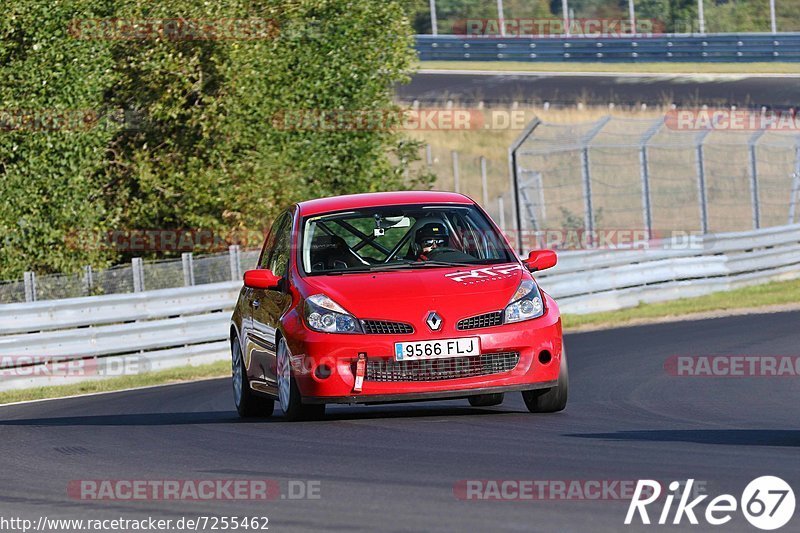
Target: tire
248	404
553	399
289	394
486	400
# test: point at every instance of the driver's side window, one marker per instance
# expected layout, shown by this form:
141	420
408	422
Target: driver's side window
269	246
279	258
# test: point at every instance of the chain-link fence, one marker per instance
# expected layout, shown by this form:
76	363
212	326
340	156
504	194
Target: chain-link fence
643	174
136	277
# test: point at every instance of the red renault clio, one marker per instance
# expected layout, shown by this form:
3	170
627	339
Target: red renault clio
393	297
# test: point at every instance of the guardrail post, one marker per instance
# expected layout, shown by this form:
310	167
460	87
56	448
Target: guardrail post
138	274
30	286
702	192
456	177
88	279
236	267
188	269
484	183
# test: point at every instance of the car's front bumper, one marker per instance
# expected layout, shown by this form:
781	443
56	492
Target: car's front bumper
340	352
422	396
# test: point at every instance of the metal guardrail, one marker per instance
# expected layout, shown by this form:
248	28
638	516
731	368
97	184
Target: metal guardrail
729	47
178	327
138	276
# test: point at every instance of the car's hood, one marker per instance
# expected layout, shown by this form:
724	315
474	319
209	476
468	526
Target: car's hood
407	295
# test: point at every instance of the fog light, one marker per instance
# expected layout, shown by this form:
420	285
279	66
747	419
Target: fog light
545	357
323	371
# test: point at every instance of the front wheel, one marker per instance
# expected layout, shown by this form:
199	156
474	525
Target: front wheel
553	399
289	394
247	403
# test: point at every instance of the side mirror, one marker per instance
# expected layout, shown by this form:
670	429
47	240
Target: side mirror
541	260
261	279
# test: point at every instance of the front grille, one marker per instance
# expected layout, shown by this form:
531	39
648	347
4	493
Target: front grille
486	320
440	369
385	327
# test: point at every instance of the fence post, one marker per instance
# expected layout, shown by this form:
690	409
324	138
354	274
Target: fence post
30	286
538	182
88	279
236	267
138	274
434	22
588	210
514	174
501	210
795	186
501	18
429	155
754	178
188	269
586	175
484	182
644	169
647	213
701	183
456	178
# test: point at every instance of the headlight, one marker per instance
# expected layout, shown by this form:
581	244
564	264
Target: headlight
325	315
525	304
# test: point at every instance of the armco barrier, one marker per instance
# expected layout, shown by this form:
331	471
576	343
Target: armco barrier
728	47
189	326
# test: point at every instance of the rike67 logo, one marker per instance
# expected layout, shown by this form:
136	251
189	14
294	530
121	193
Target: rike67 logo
767	503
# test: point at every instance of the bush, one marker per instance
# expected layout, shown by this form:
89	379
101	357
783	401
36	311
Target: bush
193	142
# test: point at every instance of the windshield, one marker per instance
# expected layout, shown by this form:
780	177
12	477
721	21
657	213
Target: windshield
397	237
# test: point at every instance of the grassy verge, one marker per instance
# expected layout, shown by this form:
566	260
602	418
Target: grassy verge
634	68
758	296
173	375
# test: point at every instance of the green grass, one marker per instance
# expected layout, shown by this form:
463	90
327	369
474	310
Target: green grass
666	68
769	294
173	375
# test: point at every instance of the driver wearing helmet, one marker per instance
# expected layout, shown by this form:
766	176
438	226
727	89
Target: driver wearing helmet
429	238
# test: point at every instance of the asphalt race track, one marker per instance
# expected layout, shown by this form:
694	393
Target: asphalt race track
602	89
393	468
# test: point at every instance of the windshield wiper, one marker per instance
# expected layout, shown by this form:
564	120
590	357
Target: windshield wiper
434	263
407	264
367	269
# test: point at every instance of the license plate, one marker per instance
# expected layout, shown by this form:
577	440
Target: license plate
408	351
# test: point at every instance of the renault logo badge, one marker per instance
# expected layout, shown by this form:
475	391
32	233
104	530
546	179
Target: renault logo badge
434	321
